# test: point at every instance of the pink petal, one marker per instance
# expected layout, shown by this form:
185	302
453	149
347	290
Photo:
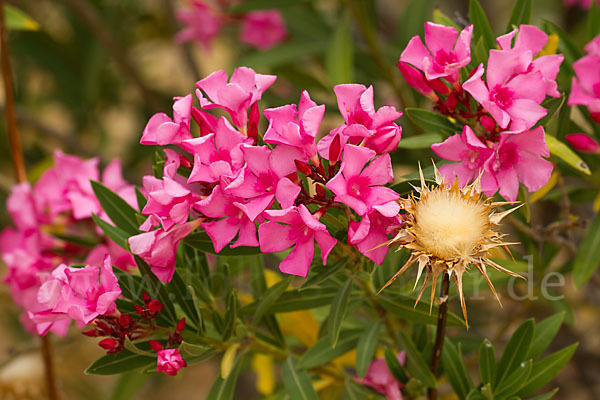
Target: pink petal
299	260
274	237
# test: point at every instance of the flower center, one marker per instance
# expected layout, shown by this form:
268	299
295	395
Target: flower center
358	186
502	96
471	159
508	155
443	58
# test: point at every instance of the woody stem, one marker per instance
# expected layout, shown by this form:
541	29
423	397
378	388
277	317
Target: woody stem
440	333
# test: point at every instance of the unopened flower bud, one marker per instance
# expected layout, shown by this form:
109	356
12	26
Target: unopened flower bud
583	143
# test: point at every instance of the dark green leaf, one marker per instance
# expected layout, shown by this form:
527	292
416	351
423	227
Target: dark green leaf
515	351
156	287
423	141
268	299
117	209
455	368
141	199
588	256
117	235
487	362
514	381
322	352
545	396
412	23
593	21
481	25
230	316
404	308
431	122
553	105
339	58
179	290
566	45
391	360
544	333
224	389
521	14
297	382
366	348
337	312
294	300
415	363
118	363
544	370
329	270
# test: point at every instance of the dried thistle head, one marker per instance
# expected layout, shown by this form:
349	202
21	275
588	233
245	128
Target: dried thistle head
447	230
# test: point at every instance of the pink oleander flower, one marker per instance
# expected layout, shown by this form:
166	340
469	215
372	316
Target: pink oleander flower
159	247
81	294
234	220
518	157
531	39
380	378
170	362
583	143
296	126
512	95
466	148
295	226
265	178
375	129
201	23
446	53
217	154
243	90
370	232
585	89
263	29
359	185
162	130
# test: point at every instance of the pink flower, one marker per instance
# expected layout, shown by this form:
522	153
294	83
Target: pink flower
585	89
22	207
593	47
531	39
446	53
170	361
243	90
466	148
163	130
217	154
371	232
81	294
416	80
359	186
380	378
263	29
583	143
296	127
159	247
511	95
518	157
295	226
234	219
375	129
201	24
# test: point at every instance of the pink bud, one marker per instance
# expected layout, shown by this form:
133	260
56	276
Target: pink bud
335	150
583	143
180	325
487	123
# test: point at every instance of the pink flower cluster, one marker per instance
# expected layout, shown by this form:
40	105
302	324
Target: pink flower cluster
203	20
47	216
498	140
585	89
231	178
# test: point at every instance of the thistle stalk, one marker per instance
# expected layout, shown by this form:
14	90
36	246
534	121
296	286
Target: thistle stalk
440	333
18	161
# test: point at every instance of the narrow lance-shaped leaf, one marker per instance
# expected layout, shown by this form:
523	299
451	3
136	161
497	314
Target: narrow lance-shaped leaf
339	58
544	333
456	369
366	348
521	14
562	151
297	382
391	360
588	256
515	351
514	381
487	362
481	25
337	312
117	209
269	298
415	363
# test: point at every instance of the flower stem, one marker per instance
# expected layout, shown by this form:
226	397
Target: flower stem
440	333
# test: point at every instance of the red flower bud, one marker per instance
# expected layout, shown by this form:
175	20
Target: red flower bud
487	123
320	190
155	307
139	310
90	333
108	344
145	297
451	102
253	118
303	167
124	320
180	326
156	346
335	149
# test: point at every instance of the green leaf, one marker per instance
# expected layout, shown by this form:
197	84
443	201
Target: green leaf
423	141
201	241
515	351
404	308
18	20
544	333
553	105
322	352
297	382
117	235
456	369
290	52
337	312
544	370
231	311
190	350
481	25
339	58
128	344
157	288
295	300
431	122
487	362
181	295
412	23
117	209
514	381
224	389
593	21
415	363
391	360
440	18
366	348
545	396
265	304
566	46
118	363
354	391
564	152
521	14
329	271
141	199
253	5
588	256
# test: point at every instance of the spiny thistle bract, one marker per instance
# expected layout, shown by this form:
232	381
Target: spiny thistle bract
447	229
